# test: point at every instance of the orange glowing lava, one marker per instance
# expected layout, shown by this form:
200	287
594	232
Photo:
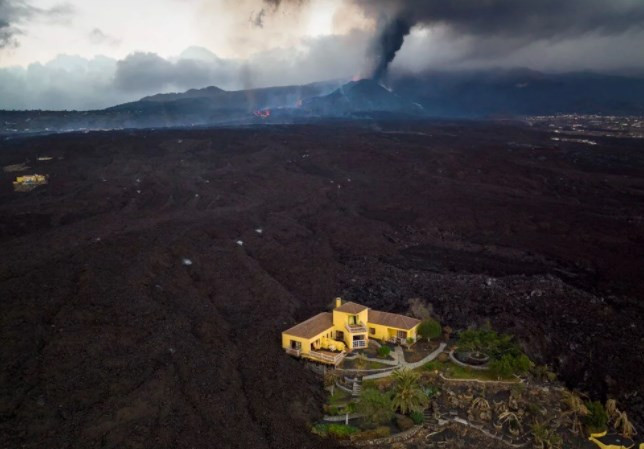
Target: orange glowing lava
262	113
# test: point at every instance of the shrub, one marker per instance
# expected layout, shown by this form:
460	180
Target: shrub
384	351
338	431
404	422
375	407
378	432
597	418
417	417
510	364
434	365
429	329
341	431
488	341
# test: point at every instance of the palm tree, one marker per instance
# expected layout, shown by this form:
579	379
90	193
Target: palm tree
545	437
513	422
330	377
576	409
611	410
482	406
624	425
408	395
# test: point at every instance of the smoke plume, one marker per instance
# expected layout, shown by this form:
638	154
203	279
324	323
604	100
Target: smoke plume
522	22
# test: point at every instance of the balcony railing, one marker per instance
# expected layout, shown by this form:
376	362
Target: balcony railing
327	357
359	343
356	328
295	352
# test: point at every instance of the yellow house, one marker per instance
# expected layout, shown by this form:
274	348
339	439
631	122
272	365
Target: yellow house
327	337
29	182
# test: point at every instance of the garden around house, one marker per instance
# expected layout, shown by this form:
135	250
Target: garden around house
481	391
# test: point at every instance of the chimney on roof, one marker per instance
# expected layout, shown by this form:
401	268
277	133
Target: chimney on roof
338	302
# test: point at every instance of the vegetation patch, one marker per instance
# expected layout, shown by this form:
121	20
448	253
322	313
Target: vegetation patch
333	430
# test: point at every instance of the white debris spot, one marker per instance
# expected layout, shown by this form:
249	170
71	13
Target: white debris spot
196	195
259	230
332	181
138	191
240	242
104	180
171	350
138	180
186	262
98	239
207	181
348	179
180	141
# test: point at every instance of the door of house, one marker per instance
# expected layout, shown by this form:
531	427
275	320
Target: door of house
296	345
401	334
339	335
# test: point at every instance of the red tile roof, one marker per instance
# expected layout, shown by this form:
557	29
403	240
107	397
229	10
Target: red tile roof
392	320
351	307
312	327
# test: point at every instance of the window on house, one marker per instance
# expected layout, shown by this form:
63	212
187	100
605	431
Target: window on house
372	331
296	345
353	319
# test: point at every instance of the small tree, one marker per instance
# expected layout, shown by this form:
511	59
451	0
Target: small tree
429	329
375	407
330	377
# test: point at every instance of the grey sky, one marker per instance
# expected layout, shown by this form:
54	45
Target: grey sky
88	53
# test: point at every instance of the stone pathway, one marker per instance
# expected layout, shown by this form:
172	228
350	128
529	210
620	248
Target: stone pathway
400	356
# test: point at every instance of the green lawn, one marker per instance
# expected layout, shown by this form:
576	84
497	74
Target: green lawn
454	371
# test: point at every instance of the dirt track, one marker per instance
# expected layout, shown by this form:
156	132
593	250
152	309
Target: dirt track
108	339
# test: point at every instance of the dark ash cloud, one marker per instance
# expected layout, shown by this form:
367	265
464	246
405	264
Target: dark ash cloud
518	22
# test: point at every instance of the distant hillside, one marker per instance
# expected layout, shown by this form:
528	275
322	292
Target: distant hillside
475	94
359	97
522	92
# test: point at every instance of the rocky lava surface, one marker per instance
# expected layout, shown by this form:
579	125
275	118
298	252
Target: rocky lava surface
144	289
